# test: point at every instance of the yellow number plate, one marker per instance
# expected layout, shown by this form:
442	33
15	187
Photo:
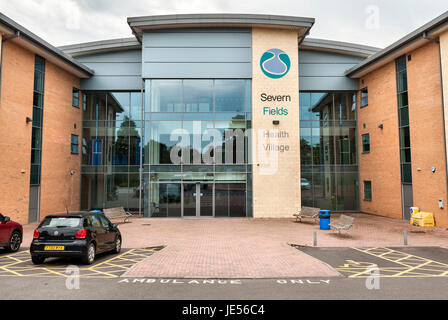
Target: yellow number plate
54	248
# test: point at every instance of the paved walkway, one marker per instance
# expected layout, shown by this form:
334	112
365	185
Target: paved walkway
254	248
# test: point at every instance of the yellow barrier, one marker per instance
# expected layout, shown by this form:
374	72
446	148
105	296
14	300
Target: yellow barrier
422	219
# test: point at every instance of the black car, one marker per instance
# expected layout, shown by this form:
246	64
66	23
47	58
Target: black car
80	234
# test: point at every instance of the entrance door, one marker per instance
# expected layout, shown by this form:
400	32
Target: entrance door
33	209
189	205
408	201
198	200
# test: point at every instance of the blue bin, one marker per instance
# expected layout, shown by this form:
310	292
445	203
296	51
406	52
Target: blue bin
96	211
325	218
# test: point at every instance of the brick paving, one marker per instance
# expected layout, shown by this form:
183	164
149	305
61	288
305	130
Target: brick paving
254	248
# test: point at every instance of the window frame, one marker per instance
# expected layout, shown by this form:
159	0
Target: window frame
364	144
365	198
364	101
78	92
74	144
84	101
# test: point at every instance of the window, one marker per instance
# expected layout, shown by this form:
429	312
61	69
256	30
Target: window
87	222
364	97
38	108
74	144
403	112
365	143
105	222
75	98
368	190
329	147
95	222
84	146
84	102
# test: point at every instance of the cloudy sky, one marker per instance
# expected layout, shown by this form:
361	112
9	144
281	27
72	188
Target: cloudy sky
370	22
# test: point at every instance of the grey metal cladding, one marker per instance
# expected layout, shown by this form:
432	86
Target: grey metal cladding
197	53
120	70
131	83
325	71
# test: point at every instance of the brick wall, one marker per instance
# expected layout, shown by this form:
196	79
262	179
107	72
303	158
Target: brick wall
382	164
427	131
15	142
60	189
444	61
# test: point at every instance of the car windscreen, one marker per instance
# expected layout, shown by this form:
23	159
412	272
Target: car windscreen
61	222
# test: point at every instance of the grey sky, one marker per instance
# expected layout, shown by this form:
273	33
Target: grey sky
72	21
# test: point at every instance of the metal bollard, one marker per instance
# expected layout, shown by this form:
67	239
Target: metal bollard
405	237
315	239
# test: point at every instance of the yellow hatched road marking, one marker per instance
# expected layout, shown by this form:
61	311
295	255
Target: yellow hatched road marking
115	266
410	265
413	257
414	268
7	270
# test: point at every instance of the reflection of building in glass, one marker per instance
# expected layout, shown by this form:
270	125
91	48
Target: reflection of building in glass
328	150
112	157
181	117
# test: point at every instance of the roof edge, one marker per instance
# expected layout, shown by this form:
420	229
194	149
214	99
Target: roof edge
339	47
137	24
404	42
111	45
45	46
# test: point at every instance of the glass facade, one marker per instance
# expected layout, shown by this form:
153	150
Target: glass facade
111	150
195	148
403	112
185	141
38	111
181	149
328	146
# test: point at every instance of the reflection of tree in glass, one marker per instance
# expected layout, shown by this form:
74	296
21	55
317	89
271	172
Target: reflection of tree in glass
127	142
305	151
317	154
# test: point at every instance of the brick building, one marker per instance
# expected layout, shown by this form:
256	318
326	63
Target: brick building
223	115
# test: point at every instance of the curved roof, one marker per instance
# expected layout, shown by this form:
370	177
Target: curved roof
101	46
338	47
140	24
132	43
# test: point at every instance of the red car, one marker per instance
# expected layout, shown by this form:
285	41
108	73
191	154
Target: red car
11	234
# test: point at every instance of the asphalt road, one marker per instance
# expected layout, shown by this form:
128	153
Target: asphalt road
13	288
402	273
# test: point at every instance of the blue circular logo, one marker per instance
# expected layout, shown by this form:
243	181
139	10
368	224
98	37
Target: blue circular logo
275	63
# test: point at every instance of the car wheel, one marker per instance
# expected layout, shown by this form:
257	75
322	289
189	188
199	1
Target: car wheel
90	255
117	245
14	242
38	259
